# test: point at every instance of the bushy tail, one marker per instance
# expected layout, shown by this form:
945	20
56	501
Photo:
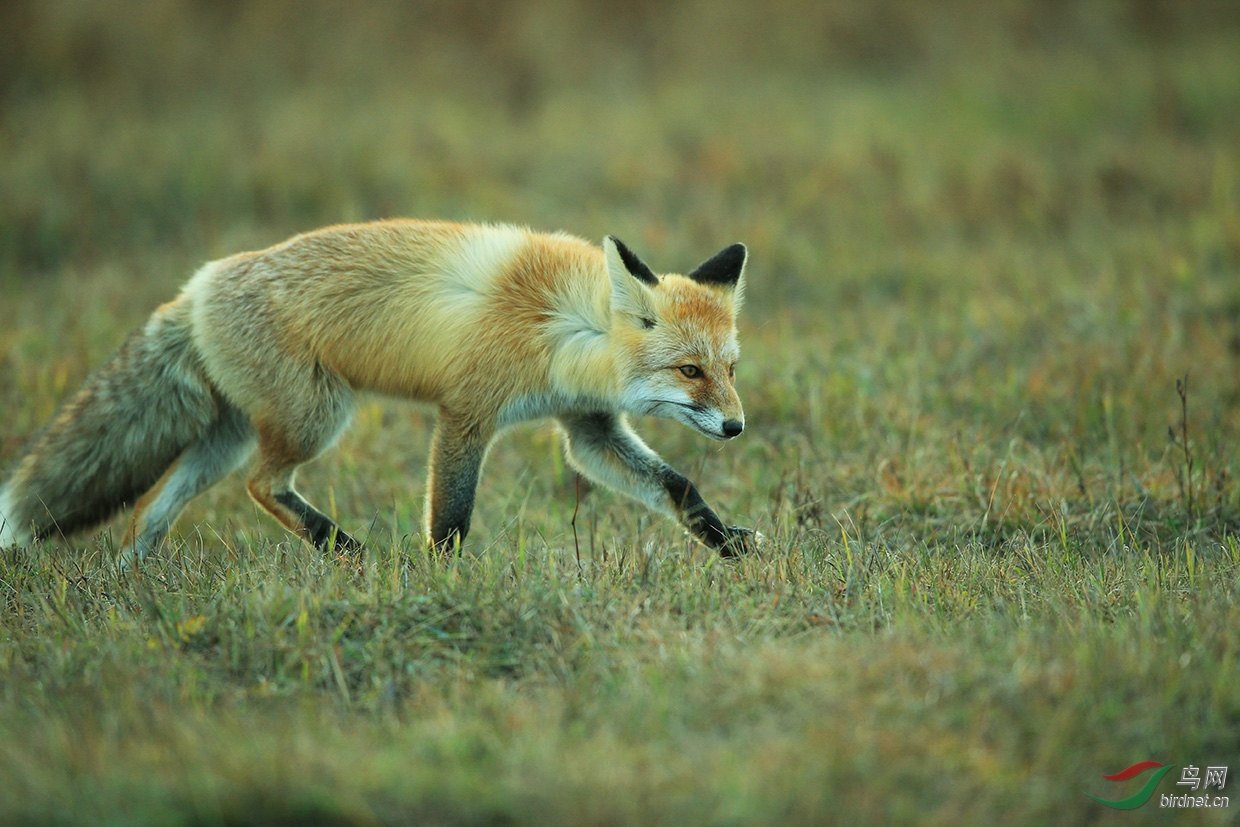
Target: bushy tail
115	438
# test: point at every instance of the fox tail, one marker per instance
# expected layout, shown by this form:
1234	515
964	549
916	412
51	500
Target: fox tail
115	438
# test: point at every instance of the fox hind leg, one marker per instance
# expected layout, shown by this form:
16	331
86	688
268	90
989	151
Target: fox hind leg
271	482
226	445
271	486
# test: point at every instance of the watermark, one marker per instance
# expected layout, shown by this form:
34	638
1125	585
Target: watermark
1190	776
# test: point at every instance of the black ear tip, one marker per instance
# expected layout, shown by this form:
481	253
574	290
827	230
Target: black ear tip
724	267
620	245
633	264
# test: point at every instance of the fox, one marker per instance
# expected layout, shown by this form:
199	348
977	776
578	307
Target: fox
265	353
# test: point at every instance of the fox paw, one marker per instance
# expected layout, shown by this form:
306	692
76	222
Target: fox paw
740	541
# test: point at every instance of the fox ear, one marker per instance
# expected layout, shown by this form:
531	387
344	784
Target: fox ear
631	281
621	258
724	268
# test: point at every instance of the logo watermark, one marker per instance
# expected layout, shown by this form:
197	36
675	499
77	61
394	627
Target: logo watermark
1190	776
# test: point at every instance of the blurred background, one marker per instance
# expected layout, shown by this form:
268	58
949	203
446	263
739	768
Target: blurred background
969	221
801	127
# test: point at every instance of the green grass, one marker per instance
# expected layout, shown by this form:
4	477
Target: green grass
985	242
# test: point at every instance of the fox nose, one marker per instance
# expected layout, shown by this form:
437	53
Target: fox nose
732	427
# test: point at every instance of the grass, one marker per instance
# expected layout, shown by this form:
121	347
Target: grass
1003	552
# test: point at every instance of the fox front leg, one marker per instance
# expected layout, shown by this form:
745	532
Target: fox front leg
695	514
604	448
458	448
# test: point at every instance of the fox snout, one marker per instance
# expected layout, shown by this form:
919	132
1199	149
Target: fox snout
724	417
726	404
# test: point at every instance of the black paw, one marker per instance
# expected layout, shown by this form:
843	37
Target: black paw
345	546
740	541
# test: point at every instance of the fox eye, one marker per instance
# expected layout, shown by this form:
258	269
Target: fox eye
691	371
732	371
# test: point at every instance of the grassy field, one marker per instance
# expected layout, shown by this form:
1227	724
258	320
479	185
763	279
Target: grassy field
991	370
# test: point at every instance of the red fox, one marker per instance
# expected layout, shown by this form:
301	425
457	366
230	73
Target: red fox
494	324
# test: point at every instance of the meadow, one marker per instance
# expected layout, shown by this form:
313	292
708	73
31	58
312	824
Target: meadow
990	366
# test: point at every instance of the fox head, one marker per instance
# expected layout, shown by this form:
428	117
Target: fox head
677	335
